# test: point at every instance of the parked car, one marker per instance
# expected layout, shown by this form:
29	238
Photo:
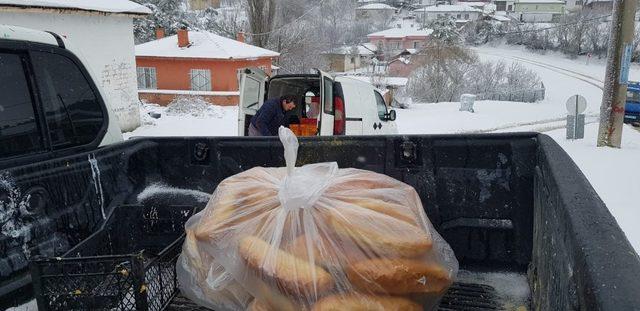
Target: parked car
327	105
632	106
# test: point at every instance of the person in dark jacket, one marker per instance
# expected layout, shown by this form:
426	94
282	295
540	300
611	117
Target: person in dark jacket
271	116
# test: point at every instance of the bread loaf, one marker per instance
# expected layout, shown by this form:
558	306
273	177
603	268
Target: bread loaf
326	253
398	276
382	235
293	275
391	209
228	213
356	302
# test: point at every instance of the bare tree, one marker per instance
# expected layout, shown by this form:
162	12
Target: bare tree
227	21
260	14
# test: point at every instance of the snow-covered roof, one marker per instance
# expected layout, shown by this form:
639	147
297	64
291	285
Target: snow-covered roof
475	4
203	45
450	8
105	6
402	32
500	18
376	6
363	49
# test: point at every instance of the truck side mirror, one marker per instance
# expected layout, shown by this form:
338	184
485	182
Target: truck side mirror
390	116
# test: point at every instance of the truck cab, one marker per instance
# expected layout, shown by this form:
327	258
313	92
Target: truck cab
40	113
632	105
326	105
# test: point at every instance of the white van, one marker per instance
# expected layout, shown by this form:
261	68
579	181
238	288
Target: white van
325	106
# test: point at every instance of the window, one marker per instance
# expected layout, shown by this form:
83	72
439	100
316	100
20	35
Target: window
328	96
382	106
459	16
72	110
19	131
416	44
466	16
200	80
147	78
250	95
352	60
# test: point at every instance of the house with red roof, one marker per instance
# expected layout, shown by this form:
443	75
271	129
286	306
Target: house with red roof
196	63
391	42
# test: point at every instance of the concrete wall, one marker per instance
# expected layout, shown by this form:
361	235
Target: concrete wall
342	62
165	99
174	73
106	42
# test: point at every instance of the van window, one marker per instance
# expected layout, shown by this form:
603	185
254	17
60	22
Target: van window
328	96
72	110
382	107
250	93
19	131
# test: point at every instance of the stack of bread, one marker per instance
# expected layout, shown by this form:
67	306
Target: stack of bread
333	239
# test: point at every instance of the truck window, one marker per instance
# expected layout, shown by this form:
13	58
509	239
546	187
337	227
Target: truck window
72	110
19	130
382	106
328	96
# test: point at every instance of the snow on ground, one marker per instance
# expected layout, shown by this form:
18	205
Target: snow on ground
613	173
187	119
489	116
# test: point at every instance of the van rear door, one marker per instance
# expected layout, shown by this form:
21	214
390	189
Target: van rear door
253	83
325	122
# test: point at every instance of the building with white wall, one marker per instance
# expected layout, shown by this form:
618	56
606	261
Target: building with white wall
103	31
461	12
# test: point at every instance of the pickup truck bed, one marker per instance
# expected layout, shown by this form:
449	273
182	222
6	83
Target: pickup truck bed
524	223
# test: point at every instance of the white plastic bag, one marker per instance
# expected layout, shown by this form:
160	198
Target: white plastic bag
317	237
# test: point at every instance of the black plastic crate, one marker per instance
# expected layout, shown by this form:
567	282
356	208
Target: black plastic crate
129	264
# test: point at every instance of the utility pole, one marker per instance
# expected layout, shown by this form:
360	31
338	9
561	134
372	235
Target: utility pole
617	76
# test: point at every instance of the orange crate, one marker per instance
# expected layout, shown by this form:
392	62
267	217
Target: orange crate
304	129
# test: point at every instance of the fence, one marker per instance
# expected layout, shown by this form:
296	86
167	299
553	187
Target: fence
526	95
